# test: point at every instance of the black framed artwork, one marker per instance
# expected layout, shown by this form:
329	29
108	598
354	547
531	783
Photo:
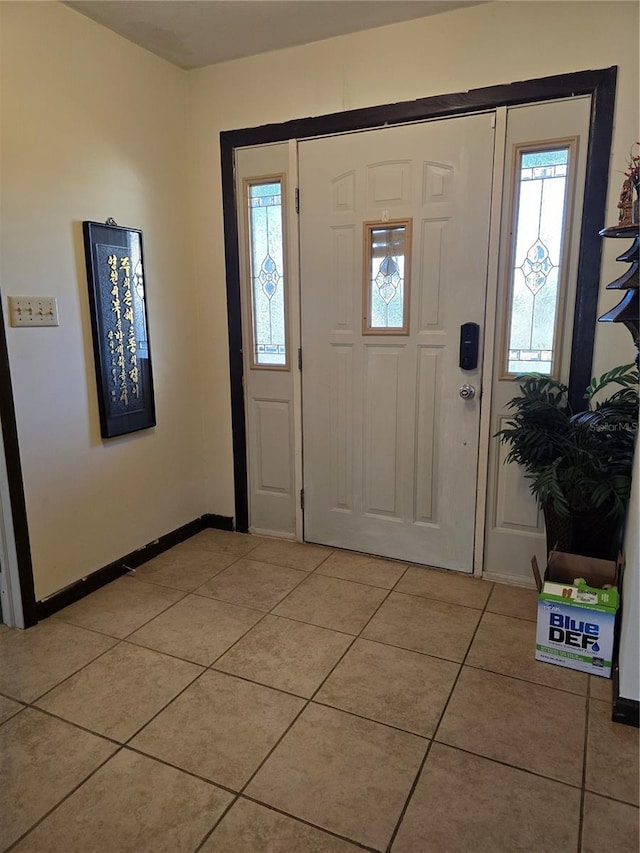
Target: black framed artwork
115	273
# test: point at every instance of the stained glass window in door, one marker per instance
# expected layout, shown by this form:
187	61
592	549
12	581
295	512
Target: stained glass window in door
387	254
538	260
266	256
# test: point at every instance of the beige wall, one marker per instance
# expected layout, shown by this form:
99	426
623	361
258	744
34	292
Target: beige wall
455	51
93	127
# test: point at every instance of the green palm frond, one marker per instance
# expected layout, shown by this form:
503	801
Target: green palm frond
625	375
575	462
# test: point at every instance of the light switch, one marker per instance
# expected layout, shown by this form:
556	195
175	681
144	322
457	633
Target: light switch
33	311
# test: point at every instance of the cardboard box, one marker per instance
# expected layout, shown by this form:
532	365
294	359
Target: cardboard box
576	613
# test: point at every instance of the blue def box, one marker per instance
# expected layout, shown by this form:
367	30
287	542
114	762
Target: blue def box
577	608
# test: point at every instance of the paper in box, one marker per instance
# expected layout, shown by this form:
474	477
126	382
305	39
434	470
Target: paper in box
576	614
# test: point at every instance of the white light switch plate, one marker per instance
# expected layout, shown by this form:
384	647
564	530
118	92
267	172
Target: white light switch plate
33	311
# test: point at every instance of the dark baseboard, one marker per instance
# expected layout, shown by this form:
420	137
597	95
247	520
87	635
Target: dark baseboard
218	522
103	576
625	711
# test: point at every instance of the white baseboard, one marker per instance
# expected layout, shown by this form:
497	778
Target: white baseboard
273	534
510	580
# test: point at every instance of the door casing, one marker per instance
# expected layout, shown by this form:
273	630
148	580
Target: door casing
17	585
600	85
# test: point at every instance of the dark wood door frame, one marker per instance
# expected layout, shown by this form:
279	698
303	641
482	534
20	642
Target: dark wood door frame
599	84
16	488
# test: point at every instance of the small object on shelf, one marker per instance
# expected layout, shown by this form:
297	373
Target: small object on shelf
628	204
627	311
625	204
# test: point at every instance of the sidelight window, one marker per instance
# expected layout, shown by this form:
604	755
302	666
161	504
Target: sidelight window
267	272
539	258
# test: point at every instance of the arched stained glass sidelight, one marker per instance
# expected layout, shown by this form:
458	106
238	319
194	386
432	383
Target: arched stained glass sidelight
266	257
538	259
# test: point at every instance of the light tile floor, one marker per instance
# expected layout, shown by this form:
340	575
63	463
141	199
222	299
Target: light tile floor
241	695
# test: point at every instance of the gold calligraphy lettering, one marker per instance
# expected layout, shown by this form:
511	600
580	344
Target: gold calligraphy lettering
127	298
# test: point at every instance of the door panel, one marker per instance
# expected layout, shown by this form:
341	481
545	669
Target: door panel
268	393
514	525
390	448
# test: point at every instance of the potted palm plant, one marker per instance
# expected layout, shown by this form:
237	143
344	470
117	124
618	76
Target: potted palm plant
579	464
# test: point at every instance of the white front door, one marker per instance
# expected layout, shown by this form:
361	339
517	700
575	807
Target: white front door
390	446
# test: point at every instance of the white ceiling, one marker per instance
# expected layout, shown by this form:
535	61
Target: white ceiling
195	33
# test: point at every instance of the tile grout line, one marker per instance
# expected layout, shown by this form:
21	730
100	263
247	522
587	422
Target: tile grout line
119	744
40	696
165	706
254	682
217	822
635	806
418	775
250	606
237	796
487	758
59	620
106	737
584	768
355	580
13	714
118	640
262	618
525	680
358	716
31	703
146	622
207	669
268	807
277	743
151	581
311	699
263	613
271	808
187	593
78	726
297	568
307	702
4	695
378	641
211	597
54	808
331	550
166	763
133	572
433	598
536	774
143	577
303	621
